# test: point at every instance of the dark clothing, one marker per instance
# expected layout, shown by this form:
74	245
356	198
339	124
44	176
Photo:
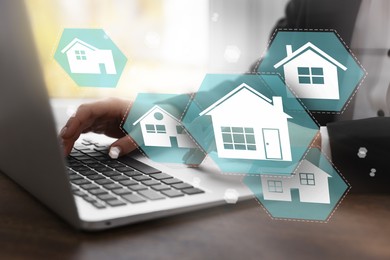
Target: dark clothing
365	173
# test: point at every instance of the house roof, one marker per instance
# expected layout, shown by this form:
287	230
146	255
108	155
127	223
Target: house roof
305	48
232	93
155	107
75	41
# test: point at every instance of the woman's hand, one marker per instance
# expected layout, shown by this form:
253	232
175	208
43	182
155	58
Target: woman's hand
102	117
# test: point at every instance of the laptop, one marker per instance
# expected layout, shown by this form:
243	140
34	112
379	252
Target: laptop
88	190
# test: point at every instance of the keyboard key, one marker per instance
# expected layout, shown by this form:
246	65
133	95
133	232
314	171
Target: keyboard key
112	186
128	182
88	161
99	205
123	169
160	176
102	157
133	198
75	177
73	163
80	168
79	193
141	178
119	178
138	165
104	181
181	186
80	181
111	173
106	197
89	186
137	187
115	203
114	164
87	172
192	191
95	164
84	157
172	193
89	199
171	181
103	169
121	191
132	173
150	182
161	187
151	194
95	177
76	153
97	191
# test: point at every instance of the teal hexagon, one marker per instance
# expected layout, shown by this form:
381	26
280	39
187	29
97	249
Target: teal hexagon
316	65
90	57
237	137
154	123
311	194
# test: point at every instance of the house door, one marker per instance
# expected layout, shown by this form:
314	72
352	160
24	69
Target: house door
174	143
272	147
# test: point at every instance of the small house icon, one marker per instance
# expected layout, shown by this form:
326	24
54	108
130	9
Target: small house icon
248	125
310	182
160	128
311	72
84	58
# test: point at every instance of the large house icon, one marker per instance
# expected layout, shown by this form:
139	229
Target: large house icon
248	125
310	182
84	58
311	73
160	128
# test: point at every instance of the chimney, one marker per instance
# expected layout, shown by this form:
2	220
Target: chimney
288	50
278	103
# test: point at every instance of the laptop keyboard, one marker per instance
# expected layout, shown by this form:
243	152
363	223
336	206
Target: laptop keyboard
106	182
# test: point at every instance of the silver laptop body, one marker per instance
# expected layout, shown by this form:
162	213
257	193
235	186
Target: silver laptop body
30	153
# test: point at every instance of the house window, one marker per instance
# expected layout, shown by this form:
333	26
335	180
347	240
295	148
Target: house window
275	186
155	129
80	55
310	75
307	179
238	138
180	129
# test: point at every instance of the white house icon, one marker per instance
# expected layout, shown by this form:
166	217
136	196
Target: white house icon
248	125
310	182
84	58
311	72
160	128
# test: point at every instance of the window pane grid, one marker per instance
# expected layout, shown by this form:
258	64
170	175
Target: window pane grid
307	179
153	129
238	138
310	75
80	55
275	186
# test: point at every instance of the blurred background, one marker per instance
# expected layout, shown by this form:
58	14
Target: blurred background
170	44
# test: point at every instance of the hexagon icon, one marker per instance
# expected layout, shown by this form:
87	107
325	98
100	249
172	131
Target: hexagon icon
248	124
316	65
154	123
312	193
90	57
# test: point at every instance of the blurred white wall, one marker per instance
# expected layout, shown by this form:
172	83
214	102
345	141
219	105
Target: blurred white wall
239	32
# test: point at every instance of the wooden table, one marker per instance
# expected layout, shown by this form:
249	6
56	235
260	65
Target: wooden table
360	229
